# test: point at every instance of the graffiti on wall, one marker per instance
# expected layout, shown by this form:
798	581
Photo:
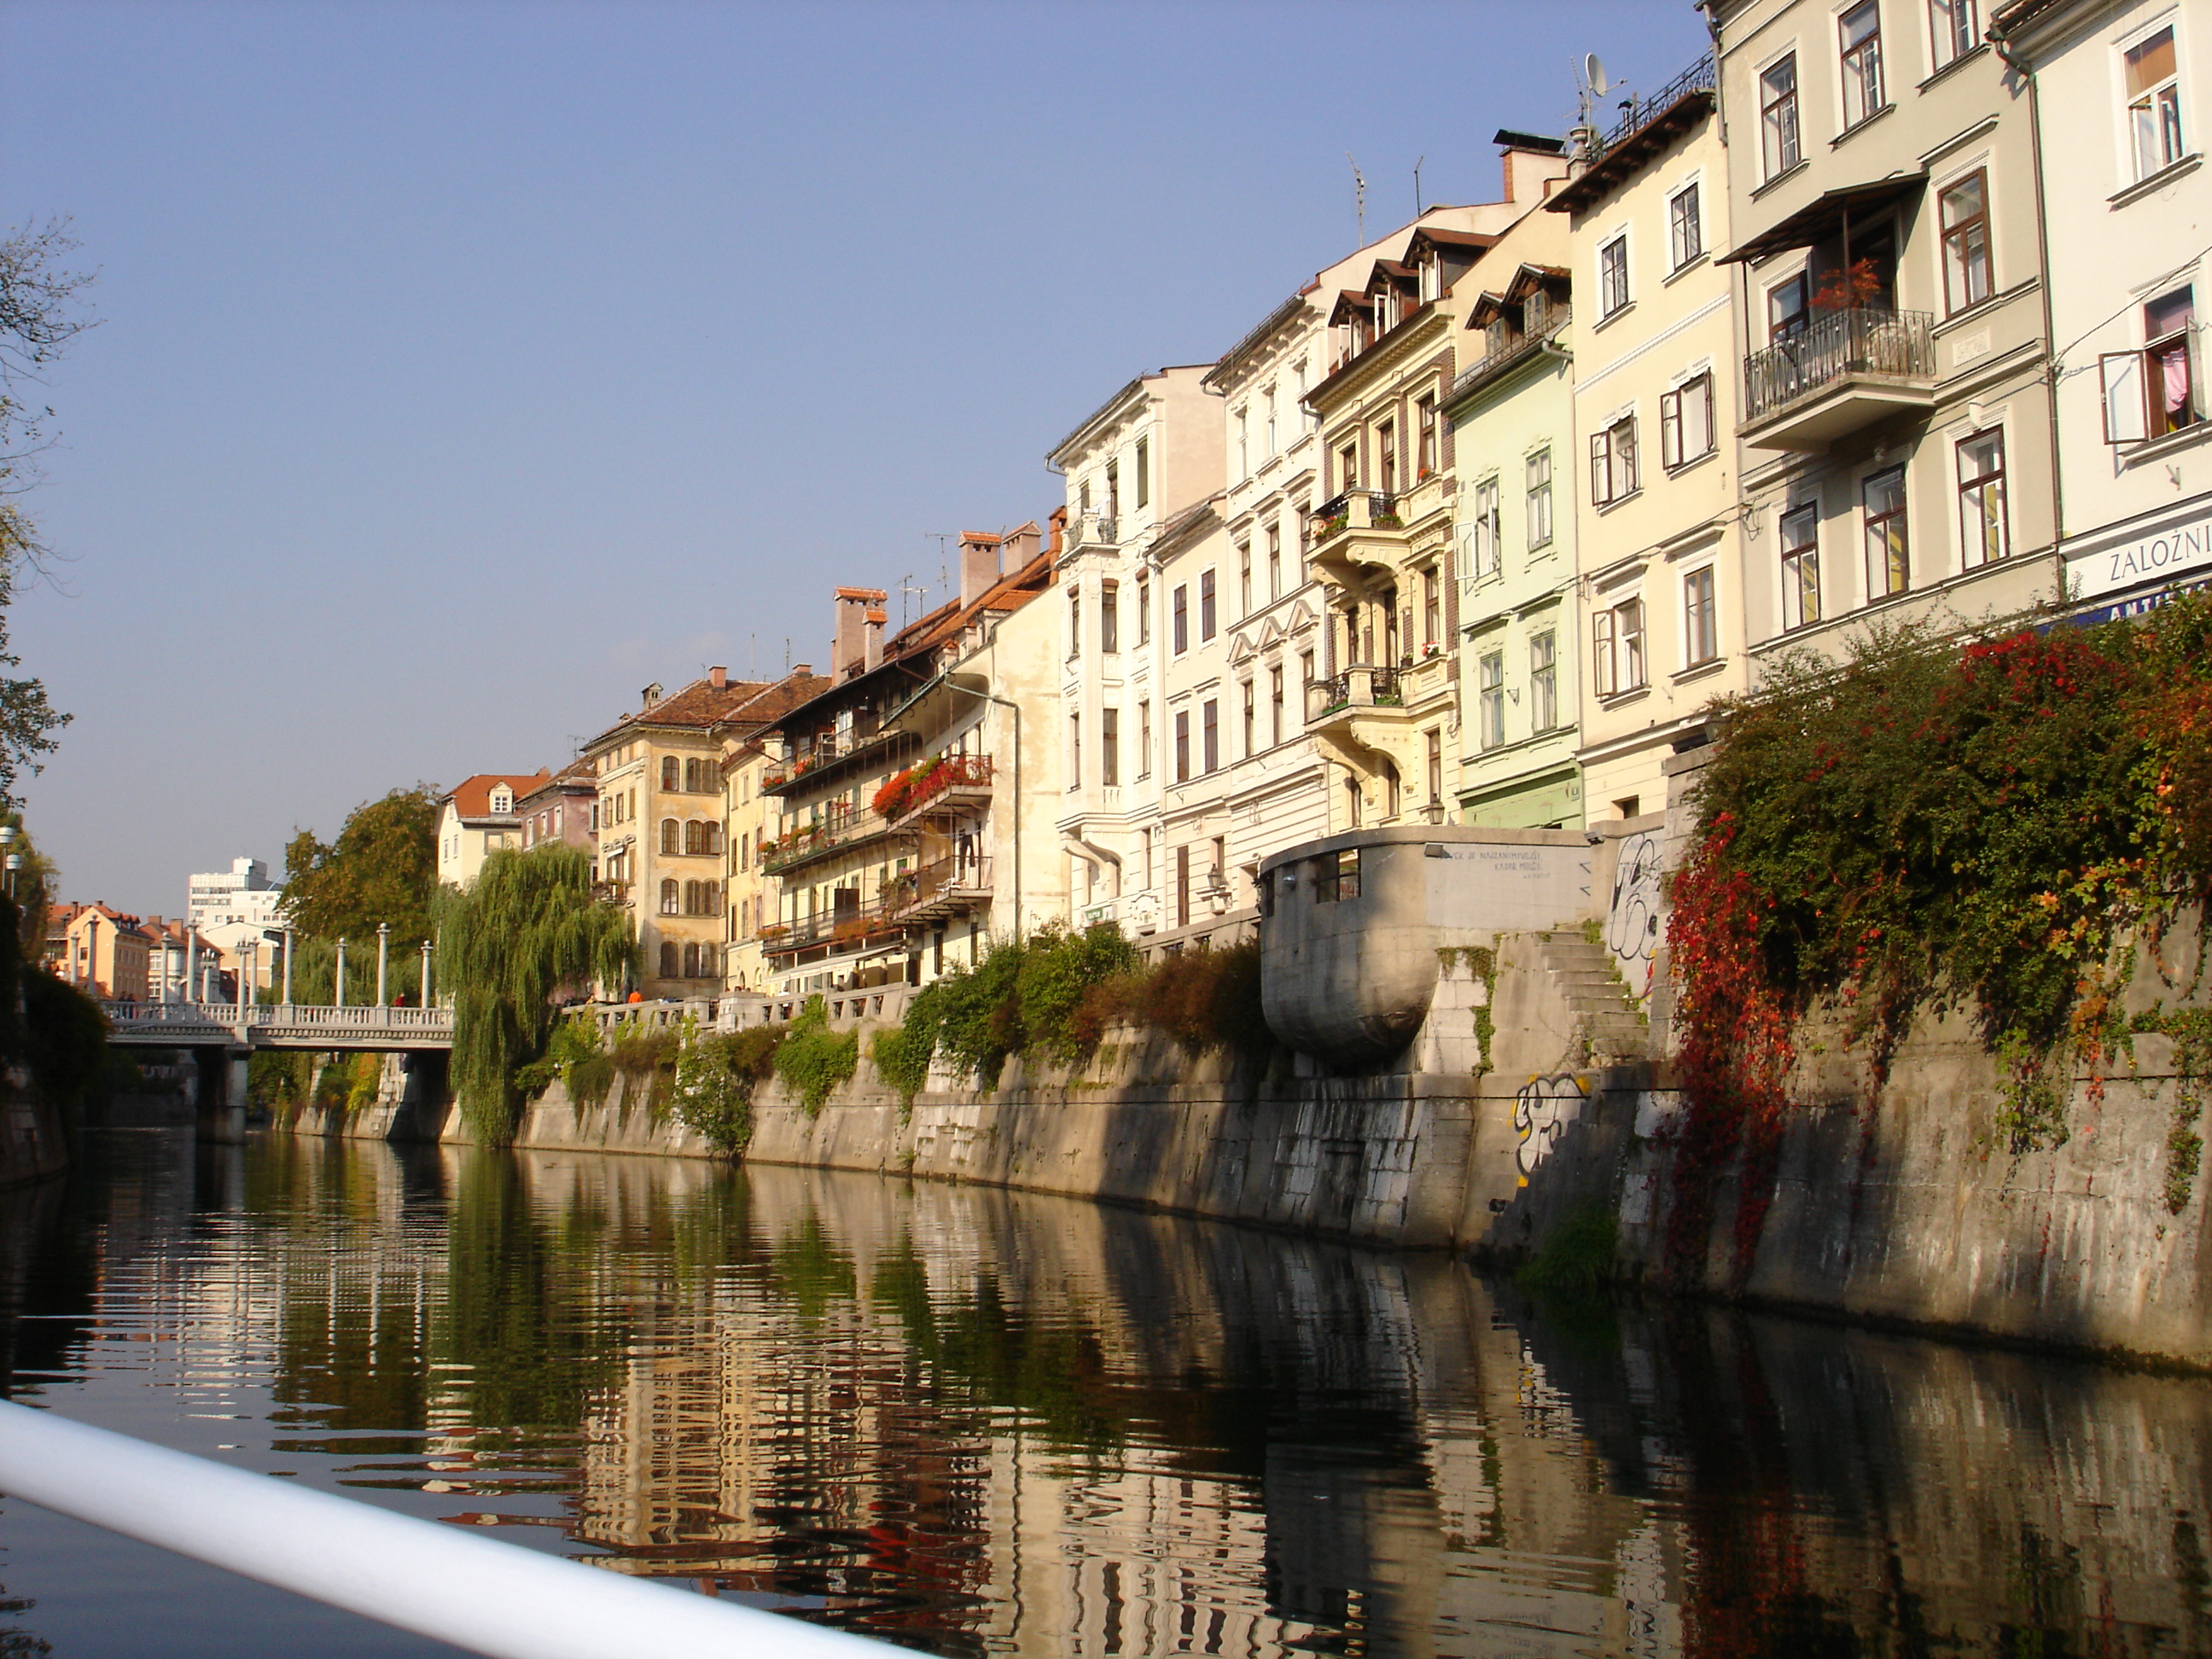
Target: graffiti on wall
1634	918
1542	1109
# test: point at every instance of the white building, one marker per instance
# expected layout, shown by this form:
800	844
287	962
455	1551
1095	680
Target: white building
227	907
2127	202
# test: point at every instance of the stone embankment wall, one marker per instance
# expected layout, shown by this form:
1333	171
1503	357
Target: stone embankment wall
1901	1203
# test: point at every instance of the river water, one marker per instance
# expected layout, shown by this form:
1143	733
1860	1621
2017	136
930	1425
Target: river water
974	1421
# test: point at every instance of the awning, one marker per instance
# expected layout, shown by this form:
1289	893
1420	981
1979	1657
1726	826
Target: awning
1823	216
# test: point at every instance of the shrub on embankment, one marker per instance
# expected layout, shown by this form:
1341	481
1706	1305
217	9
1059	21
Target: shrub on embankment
1990	826
52	1029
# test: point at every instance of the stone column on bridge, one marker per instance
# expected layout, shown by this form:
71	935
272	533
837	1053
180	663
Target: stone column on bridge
383	957
340	999
426	973
287	967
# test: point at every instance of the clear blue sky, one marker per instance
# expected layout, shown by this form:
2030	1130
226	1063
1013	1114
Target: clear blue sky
464	368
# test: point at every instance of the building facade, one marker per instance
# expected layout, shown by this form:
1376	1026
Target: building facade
565	807
479	816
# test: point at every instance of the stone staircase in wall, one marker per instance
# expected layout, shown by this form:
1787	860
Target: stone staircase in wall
1606	1015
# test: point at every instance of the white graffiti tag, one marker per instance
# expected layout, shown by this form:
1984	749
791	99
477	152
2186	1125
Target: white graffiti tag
1633	919
1541	1111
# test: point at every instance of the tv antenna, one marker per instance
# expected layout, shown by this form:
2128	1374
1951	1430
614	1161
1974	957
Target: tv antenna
1358	196
907	586
1416	187
1592	84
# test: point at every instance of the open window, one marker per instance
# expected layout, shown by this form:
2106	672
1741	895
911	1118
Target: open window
2151	392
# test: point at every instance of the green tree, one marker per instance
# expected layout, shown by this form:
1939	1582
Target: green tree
383	867
526	934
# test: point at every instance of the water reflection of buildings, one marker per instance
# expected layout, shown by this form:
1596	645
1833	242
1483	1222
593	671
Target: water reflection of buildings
989	1423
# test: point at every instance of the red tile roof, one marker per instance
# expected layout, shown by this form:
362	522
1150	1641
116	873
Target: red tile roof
472	797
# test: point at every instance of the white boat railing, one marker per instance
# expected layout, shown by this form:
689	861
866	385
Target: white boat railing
437	1581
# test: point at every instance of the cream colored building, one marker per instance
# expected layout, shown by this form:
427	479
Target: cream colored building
1660	550
1386	705
479	816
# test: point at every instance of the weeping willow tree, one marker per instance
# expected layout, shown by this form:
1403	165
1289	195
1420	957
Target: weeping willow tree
527	934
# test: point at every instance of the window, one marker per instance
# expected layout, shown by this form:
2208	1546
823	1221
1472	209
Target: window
1432	607
1685	422
1243	445
1336	875
1700	621
2154	103
1424	412
1269	394
1210	734
670	900
1435	742
1888	564
745	851
1183	745
1244	581
1182	886
1617	648
1484	530
1109	746
1386	457
1205	606
1613	275
1075	751
1347	466
1862	45
1539	475
1109	618
1983	533
1251	719
1143	471
1613	462
1490	685
691	961
1144	612
1685	230
1801	566
1274	562
668	959
1966	214
1777	117
1179	620
1788	309
669	833
670	773
1543	681
1113	490
1954	28
1074	625
1274	705
1144	739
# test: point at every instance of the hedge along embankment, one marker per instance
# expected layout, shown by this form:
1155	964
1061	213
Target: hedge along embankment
1988	827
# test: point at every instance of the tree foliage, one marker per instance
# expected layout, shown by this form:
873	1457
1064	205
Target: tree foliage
526	934
383	867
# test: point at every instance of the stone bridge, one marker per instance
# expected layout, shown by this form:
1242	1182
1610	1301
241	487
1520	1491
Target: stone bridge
276	1025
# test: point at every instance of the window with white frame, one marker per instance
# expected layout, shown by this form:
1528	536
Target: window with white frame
1543	681
2153	94
1954	28
1539	499
1686	422
1701	634
1617	647
1243	444
1801	566
1985	535
1613	462
1613	275
1485	531
1887	546
1780	148
1269	395
1861	31
1685	230
1490	698
1965	212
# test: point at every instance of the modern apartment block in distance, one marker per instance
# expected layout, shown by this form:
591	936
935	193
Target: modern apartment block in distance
1656	399
2120	92
1895	439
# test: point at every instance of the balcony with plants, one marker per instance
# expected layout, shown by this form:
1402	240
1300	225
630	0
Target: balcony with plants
935	783
1355	527
1849	365
839	830
944	888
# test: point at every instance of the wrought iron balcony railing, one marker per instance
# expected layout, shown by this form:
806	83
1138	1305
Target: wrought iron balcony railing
1835	347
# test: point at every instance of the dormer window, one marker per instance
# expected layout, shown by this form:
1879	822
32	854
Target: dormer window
502	803
1432	279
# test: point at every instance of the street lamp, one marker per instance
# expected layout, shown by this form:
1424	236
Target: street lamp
15	862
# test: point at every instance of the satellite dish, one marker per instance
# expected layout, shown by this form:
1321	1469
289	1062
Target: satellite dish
1593	74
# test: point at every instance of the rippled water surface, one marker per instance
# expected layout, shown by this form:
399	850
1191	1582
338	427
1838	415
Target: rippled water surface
973	1421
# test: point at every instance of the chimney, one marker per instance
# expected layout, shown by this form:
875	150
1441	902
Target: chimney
873	636
650	695
1022	545
1058	520
979	565
848	648
718	677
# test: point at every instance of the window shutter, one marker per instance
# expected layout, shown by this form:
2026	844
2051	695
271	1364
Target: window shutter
2127	408
1600	468
1670	429
1601	651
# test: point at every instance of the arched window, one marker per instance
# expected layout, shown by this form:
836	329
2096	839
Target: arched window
713	836
671	772
668	898
694	840
691	961
667	959
668	834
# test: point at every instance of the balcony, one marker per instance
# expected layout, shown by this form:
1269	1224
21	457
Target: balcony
831	757
951	780
836	832
829	927
1355	527
945	888
1090	530
1357	688
1848	370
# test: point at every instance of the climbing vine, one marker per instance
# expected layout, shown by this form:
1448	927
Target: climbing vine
1983	826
